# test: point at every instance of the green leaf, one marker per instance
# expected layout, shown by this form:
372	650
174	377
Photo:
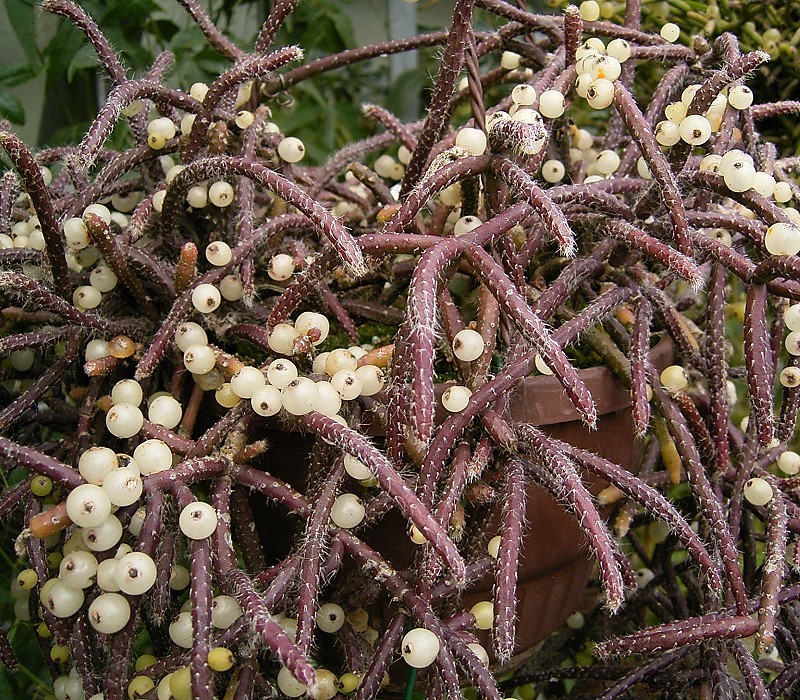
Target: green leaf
6	691
131	12
85	57
22	15
66	42
11	108
343	26
16	75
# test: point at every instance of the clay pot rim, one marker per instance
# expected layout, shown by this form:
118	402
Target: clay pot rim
541	399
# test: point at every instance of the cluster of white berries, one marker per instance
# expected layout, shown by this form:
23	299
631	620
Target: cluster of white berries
597	67
337	376
468	345
791	319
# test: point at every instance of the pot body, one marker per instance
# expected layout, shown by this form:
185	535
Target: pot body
555	564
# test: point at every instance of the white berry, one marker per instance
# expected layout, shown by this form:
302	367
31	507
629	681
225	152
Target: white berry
420	647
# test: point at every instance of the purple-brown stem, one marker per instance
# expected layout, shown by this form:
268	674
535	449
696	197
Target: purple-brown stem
383	657
201	595
222	166
81	19
278	13
573	32
652	501
15	410
254	66
772	568
640	347
679	634
101	236
407	501
239	585
641	132
421	610
439	104
215	37
505	588
562	478
311	560
707	501
121	97
25	164
758	362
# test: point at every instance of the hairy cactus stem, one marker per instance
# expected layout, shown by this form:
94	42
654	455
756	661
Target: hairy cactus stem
220	166
390	481
391	123
15	410
433	182
682	265
596	195
239	585
349	57
25	165
776	266
177	443
653	502
573	32
759	362
270	487
117	674
675	635
100	234
81	19
299	289
451	496
707	502
40	463
241	516
121	97
314	541
253	66
641	132
22	285
452	62
790	406
201	594
153	524
505	587
492	275
161	593
676	325
552	217
772	570
215	37
544	23
367	177
384	655
570	279
503	382
421	610
563	480
279	11
640	347
187	472
84	653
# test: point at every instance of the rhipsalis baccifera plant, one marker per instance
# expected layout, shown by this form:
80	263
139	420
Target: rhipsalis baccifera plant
258	417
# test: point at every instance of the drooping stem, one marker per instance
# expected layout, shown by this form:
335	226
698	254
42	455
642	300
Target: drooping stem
25	164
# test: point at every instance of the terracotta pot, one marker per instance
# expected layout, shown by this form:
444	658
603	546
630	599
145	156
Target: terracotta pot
555	565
